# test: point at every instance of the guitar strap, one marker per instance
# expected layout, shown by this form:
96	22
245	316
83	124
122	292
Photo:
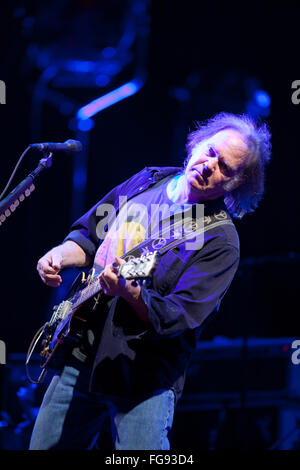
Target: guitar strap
180	228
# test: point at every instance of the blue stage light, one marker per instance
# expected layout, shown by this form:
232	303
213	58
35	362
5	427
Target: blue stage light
85	124
83	66
79	179
262	98
97	105
181	94
102	80
109	52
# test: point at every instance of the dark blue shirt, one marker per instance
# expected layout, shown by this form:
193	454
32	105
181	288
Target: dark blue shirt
136	358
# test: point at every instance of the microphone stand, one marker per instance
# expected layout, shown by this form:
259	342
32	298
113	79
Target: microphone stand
24	189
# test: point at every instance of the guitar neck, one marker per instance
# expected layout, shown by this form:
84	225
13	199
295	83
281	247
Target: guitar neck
87	292
137	268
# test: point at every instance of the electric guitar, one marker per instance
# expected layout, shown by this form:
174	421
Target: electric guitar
60	333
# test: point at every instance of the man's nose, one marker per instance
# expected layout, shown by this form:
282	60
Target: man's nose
210	163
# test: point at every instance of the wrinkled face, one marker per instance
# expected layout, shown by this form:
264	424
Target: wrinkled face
213	165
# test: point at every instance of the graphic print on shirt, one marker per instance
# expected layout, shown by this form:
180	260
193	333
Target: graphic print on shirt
127	231
137	220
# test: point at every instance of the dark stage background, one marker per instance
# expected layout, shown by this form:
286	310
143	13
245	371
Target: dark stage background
192	62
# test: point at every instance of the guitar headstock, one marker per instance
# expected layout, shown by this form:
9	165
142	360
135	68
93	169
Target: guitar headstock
138	268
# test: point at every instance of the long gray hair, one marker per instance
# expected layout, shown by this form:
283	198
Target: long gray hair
250	182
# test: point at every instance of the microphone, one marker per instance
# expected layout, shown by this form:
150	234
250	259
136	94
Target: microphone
68	146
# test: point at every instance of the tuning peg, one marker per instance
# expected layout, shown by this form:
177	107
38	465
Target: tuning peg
45	351
29	190
14	205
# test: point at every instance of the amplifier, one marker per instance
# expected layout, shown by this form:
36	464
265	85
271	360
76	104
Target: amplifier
240	393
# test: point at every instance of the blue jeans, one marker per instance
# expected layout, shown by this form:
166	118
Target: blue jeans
72	418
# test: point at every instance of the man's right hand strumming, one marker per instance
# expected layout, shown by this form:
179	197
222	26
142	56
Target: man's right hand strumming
67	255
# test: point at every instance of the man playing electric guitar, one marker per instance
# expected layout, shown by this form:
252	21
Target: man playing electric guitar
127	375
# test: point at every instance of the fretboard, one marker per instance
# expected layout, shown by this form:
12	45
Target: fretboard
87	292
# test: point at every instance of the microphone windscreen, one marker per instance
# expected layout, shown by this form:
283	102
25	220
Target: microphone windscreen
74	145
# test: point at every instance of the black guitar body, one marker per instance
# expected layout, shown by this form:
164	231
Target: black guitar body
85	304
